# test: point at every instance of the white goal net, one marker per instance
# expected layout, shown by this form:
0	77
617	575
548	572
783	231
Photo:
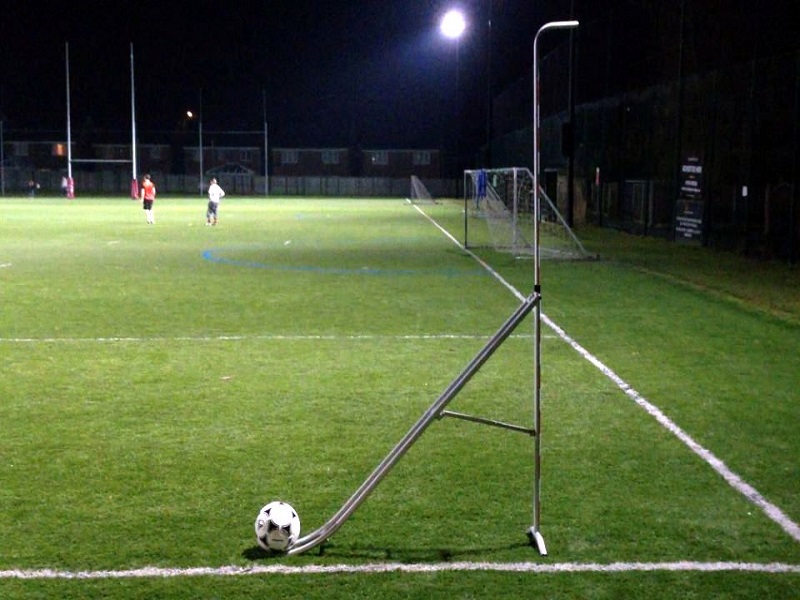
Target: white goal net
499	214
419	193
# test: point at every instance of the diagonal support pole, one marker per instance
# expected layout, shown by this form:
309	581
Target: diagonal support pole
318	536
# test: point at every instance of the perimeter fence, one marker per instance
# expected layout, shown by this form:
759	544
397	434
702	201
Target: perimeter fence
117	183
710	157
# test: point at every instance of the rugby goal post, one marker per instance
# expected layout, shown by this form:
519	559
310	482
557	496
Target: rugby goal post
71	160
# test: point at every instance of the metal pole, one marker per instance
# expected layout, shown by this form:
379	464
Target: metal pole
266	143
2	162
435	411
515	212
571	129
458	108
200	138
534	533
678	124
794	222
453	26
133	121
489	90
69	123
266	158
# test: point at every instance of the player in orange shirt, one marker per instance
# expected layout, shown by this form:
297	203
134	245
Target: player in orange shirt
148	197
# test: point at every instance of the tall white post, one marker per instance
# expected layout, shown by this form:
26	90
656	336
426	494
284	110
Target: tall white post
534	533
134	183
69	121
2	161
133	121
200	138
266	143
452	26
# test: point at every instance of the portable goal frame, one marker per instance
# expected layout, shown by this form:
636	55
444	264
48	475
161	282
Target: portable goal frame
70	160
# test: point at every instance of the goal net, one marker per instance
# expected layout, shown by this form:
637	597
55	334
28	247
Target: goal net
419	193
499	214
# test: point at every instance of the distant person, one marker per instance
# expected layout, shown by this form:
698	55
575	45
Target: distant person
215	194
65	186
482	183
148	197
32	187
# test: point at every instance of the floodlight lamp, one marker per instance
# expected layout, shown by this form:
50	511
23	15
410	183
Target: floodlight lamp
453	24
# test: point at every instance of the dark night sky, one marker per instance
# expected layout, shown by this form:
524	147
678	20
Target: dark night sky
335	72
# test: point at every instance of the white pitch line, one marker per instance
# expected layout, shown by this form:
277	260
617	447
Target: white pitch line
734	480
237	338
517	567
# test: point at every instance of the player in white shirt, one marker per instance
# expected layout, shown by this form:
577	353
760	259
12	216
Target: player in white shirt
215	194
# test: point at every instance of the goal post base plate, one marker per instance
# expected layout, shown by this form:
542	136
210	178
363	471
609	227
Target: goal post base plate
537	540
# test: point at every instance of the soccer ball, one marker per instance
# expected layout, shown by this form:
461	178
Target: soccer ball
277	526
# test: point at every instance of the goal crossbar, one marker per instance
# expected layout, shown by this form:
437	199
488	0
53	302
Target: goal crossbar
101	160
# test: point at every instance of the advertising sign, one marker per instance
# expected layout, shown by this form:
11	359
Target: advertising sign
689	207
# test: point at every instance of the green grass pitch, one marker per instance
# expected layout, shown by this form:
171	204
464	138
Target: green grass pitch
162	382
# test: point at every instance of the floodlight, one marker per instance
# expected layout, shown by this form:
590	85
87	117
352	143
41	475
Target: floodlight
453	24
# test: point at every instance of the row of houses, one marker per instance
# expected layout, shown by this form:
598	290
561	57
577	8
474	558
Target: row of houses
35	156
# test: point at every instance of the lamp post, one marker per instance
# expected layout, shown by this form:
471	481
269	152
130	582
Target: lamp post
266	142
533	533
452	26
134	183
190	115
488	156
2	161
542	29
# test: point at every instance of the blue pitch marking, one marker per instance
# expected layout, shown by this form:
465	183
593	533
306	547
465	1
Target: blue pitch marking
212	256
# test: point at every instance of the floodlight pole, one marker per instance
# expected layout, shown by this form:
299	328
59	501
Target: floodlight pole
534	533
266	143
2	161
200	137
458	106
489	88
452	26
69	118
